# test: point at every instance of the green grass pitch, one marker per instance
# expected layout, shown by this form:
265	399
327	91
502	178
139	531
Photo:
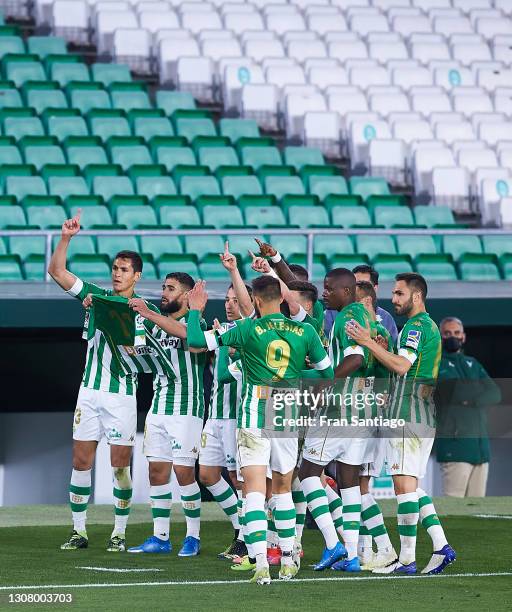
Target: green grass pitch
30	558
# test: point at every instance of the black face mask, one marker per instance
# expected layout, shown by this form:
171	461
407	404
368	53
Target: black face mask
452	344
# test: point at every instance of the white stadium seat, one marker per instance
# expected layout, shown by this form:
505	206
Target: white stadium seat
260	102
450	78
280	22
322	130
425	159
369	77
236	74
106	24
348	49
491	27
411	130
384	104
285	76
259	49
503	100
452	25
426	100
411	77
428	51
350	99
364	24
360	135
157	20
296	106
471	103
491	192
411	25
451	188
240	22
195	74
323	77
492	133
322	23
385	51
468	53
387	158
195	22
70	20
302	50
169	51
133	47
468	5
216	49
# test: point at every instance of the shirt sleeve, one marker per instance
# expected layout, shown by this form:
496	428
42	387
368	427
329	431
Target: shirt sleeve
82	288
300	316
316	351
232	334
348	345
411	342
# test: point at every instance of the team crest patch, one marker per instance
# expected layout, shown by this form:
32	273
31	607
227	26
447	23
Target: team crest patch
226	327
413	338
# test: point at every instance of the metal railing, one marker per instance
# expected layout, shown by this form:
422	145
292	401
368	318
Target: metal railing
310	234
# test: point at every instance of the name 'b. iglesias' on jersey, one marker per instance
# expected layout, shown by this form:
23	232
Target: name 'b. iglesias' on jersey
273	350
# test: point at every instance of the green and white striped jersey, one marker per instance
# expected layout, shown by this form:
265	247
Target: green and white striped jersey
183	393
412	398
225	397
115	368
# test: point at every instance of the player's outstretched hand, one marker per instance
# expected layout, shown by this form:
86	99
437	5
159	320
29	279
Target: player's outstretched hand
358	333
72	226
139	306
87	301
266	249
227	259
198	296
259	264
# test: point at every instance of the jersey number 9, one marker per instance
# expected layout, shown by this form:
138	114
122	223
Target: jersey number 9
278	357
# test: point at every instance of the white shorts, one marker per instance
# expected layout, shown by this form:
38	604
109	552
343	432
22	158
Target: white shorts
100	413
218	444
264	447
374	468
320	448
407	454
173	437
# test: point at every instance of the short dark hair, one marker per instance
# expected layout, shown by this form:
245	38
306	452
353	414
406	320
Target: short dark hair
308	290
183	278
415	282
300	271
267	288
366	269
135	259
248	287
367	289
343	273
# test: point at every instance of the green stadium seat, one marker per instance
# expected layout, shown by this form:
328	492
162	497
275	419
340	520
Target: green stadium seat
195	186
10	269
3	247
34	268
152	126
84	156
390	265
65	72
213	157
24	246
178	262
222	216
333	245
456	245
280	186
21	186
18	170
45	216
151	186
190	128
105	127
91	215
11	44
224	171
91	267
64	186
246	201
435	267
171	157
241	244
62	127
289	245
391	216
497	245
11	215
154	171
214	201
111	245
264	216
319	269
79	244
59	170
308	216
348	260
134	216
350	216
415	245
298	157
178	216
22	71
130	156
366	187
374	245
259	156
393	201
237	186
91	171
478	267
41	99
170	101
322	170
10	97
46	45
110	73
10	155
505	264
39	156
20	127
204	245
128	201
109	186
160	245
235	129
433	215
322	186
210	268
129	100
87	99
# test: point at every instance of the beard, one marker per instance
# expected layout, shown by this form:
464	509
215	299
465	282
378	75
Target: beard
169	307
405	309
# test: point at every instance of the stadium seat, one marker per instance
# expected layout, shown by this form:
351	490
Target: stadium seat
264	216
109	186
41	155
213	157
308	216
222	216
366	187
392	216
62	127
259	156
65	72
87	98
456	245
289	245
279	186
497	245
64	186
237	186
135	216
11	215
203	245
10	154
127	156
111	245
10	269
389	265
20	127
331	246
110	73
106	123
190	128
155	186
235	129
91	267
478	267
415	245
432	216
160	245
147	127
195	186
178	262
21	186
171	157
170	101
435	267
91	215
79	244
45	216
371	246
322	186
302	156
178	216
24	246
350	216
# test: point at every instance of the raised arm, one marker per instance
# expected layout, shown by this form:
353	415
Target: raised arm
277	262
242	295
57	268
261	265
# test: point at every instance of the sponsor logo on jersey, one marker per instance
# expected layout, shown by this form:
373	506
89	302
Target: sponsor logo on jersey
139	350
413	338
171	342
